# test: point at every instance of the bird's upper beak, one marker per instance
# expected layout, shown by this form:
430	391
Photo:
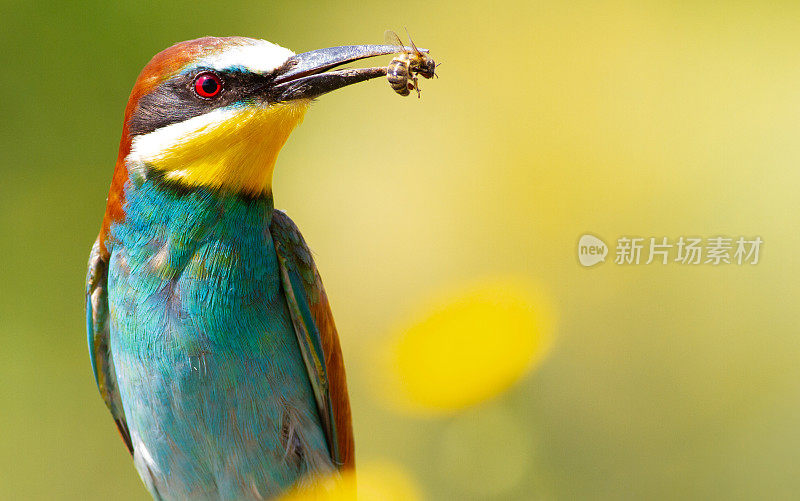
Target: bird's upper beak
306	75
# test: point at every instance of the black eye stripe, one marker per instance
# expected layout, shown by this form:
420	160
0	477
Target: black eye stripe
177	100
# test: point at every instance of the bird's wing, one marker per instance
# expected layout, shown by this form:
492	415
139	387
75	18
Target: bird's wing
317	336
97	331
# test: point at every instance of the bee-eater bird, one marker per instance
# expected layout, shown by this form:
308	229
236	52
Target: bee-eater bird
210	334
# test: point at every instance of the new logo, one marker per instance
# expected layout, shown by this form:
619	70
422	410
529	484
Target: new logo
591	250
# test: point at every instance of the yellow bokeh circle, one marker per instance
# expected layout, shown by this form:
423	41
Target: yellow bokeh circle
373	481
469	346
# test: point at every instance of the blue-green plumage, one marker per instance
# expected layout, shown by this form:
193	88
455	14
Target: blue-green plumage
213	384
210	334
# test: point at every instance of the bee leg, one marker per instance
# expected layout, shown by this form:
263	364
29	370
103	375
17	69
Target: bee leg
416	85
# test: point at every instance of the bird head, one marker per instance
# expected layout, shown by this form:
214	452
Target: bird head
215	112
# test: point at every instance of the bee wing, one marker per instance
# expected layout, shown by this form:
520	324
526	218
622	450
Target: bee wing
416	50
392	39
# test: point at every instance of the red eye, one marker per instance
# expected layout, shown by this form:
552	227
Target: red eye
207	85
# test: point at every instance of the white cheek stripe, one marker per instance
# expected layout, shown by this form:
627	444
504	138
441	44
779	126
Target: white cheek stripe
149	147
258	56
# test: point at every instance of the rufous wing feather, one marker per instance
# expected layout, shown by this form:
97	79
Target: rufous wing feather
317	336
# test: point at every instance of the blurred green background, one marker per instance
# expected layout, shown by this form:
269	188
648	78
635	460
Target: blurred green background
550	119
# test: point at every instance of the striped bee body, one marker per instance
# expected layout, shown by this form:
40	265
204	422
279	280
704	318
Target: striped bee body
403	70
398	74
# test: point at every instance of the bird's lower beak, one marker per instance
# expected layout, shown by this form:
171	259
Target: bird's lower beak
306	75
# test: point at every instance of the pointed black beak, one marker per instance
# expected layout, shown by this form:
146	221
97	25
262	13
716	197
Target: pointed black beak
306	75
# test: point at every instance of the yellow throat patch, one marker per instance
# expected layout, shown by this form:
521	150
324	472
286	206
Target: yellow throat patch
233	148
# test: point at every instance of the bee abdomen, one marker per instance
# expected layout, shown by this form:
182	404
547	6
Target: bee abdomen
397	74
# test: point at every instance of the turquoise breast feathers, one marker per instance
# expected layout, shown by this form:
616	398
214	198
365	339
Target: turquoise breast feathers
214	388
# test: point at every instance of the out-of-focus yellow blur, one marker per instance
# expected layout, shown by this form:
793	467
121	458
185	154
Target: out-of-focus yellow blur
375	481
466	349
549	120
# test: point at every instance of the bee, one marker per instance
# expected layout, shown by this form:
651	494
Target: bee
403	70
